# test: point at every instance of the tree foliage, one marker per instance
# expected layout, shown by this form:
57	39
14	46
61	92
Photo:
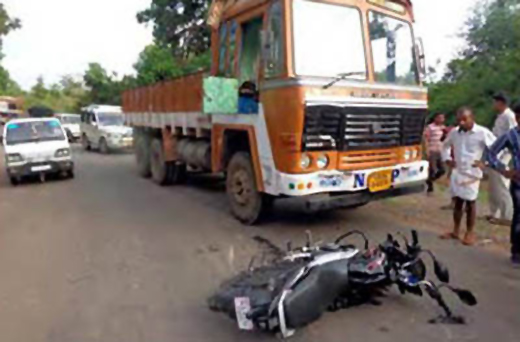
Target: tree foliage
157	64
179	25
489	63
7	24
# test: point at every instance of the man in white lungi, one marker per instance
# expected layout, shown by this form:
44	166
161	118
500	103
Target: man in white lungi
500	202
469	142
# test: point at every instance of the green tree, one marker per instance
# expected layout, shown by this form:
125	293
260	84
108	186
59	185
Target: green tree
156	64
7	24
179	25
102	87
489	62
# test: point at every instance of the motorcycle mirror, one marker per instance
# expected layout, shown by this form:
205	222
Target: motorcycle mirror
466	296
415	238
441	271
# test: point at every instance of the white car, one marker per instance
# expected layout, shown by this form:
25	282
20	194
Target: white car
70	123
36	147
103	128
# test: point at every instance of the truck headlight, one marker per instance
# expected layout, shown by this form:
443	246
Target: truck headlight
62	152
407	155
14	158
305	161
323	161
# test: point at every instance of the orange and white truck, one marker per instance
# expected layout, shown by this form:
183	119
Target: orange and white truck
340	106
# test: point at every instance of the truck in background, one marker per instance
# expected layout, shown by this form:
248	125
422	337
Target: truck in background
340	116
10	108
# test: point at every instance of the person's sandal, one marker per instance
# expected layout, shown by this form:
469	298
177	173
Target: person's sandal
469	240
450	236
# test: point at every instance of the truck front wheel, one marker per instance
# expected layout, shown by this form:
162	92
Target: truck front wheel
248	205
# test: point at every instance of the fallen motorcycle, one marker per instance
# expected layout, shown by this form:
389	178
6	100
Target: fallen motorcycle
298	286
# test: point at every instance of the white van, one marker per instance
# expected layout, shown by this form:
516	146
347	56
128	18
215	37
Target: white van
103	128
70	123
36	147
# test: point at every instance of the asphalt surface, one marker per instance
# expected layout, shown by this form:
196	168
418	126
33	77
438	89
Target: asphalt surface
111	257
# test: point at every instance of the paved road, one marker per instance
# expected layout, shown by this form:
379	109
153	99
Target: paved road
111	257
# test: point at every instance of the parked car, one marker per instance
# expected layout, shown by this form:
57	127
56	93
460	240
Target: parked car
71	123
103	128
36	146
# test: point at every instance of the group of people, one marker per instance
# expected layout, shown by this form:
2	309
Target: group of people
469	151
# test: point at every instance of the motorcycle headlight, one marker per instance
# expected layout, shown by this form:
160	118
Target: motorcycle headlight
305	161
14	158
62	152
323	161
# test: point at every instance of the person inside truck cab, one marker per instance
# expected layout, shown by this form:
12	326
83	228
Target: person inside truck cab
248	98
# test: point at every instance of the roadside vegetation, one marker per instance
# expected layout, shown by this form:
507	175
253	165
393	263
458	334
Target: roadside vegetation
489	61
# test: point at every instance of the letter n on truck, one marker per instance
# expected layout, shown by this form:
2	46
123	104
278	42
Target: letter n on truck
314	99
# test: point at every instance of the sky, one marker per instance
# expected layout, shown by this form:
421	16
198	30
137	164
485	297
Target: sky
61	37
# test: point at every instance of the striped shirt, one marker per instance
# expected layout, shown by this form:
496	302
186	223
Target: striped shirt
433	135
509	141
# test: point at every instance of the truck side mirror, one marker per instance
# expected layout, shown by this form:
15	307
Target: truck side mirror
421	58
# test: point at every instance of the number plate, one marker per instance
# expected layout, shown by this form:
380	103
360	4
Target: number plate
242	308
380	181
41	168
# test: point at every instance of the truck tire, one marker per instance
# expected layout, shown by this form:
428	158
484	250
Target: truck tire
85	143
247	204
142	154
160	169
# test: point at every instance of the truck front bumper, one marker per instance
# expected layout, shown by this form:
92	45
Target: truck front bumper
45	167
322	202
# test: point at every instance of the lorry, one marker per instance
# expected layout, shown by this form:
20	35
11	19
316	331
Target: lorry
340	114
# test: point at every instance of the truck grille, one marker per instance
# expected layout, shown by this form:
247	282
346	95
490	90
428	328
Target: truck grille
365	160
359	129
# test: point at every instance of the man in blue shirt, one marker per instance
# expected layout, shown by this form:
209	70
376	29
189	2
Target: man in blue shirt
511	142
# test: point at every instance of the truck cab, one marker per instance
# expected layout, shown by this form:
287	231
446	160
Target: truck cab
341	107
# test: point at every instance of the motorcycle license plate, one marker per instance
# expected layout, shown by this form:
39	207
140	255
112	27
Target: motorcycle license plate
380	181
242	308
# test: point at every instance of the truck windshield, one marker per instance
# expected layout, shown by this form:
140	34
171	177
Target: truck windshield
328	40
393	50
34	131
111	119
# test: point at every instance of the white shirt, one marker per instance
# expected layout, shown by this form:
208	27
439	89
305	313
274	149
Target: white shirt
468	147
504	123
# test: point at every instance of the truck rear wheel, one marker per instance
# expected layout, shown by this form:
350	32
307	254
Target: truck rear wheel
163	172
248	205
142	154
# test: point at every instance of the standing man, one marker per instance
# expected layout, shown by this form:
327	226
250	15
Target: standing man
433	135
500	203
469	142
510	142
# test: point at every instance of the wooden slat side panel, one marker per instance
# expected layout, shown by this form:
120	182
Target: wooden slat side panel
182	95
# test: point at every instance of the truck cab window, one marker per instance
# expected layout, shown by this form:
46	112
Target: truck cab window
275	53
230	70
222	49
250	50
393	50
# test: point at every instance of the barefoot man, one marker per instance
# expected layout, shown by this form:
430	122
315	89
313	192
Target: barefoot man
469	142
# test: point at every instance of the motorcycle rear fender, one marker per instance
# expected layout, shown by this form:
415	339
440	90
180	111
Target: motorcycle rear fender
314	294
